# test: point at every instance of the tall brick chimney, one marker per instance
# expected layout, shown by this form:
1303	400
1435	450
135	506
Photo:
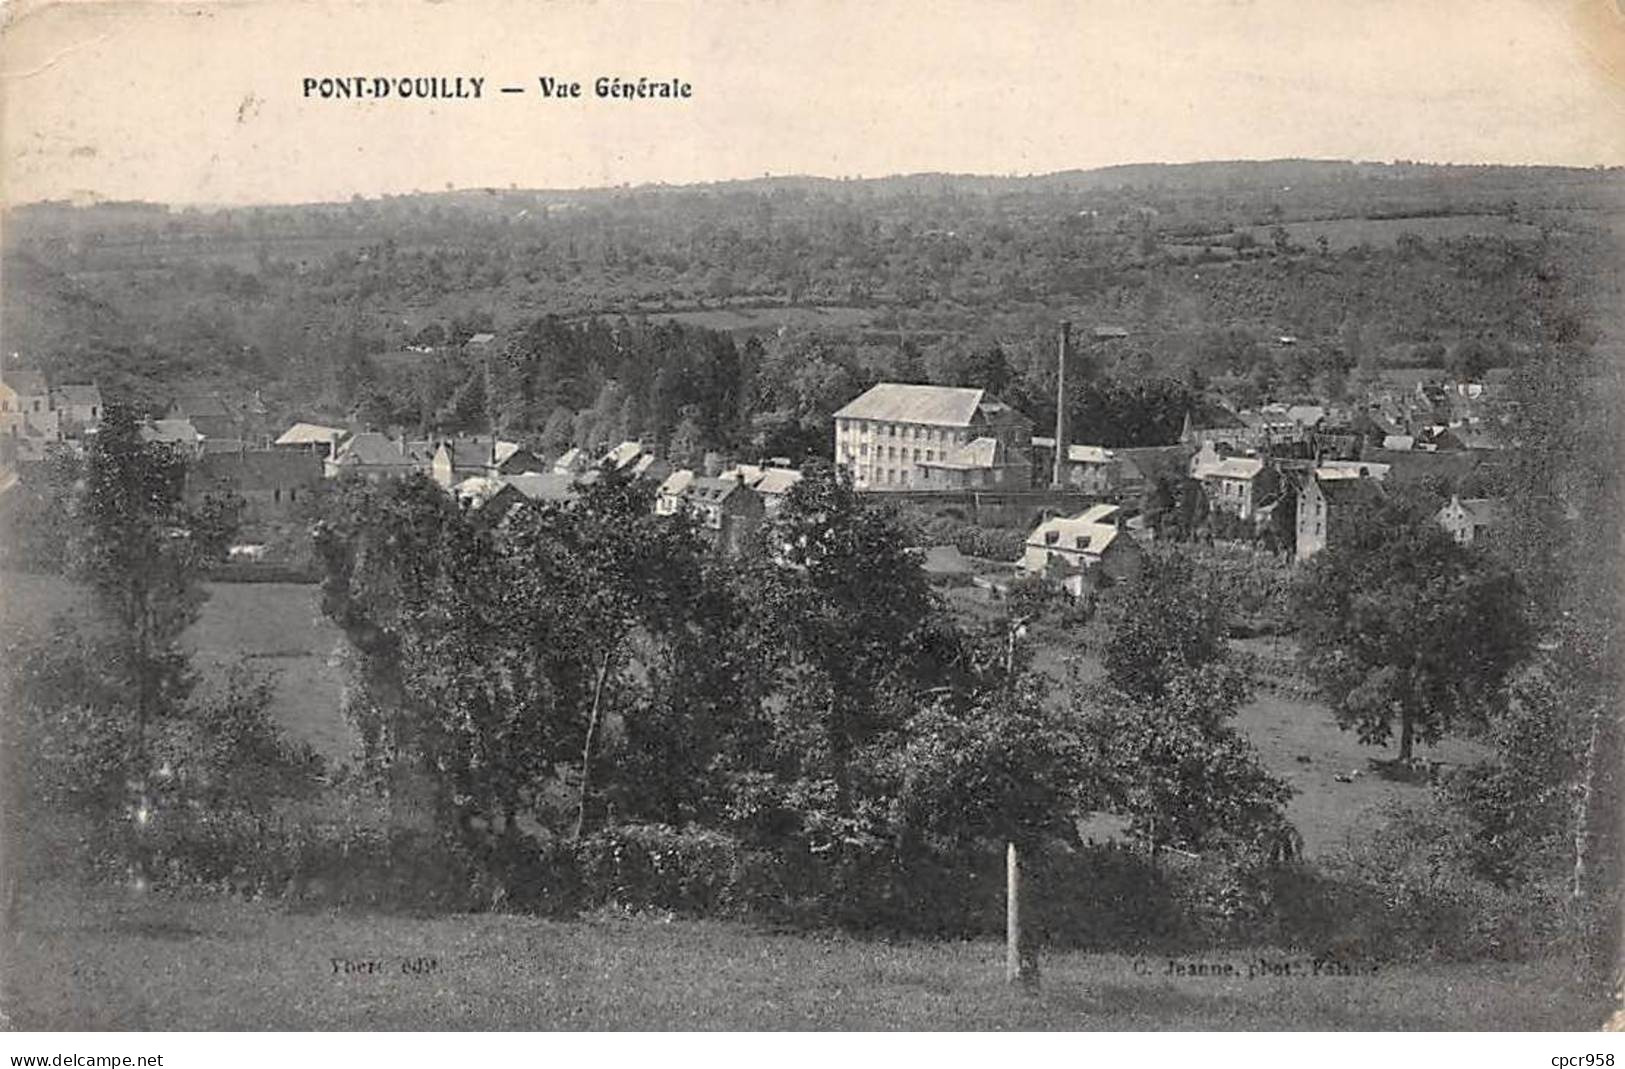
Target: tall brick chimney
1059	478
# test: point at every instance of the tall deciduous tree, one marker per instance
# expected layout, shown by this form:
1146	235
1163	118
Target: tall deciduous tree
1402	627
140	548
850	606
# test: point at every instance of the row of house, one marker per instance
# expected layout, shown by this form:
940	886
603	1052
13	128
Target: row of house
34	415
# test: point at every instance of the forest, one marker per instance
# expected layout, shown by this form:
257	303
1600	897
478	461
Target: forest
737	316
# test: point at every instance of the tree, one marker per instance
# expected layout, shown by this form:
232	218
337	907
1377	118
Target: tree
1400	623
850	606
141	548
1177	769
1165	622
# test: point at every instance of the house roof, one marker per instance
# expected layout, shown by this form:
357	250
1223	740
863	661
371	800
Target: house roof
1151	462
310	434
1231	468
776	481
25	381
623	454
572	458
371	449
1352	469
259	469
1306	415
677	482
544	486
170	430
472	451
975	455
1483	510
894	402
1075	533
1400	442
77	394
1089	454
712	489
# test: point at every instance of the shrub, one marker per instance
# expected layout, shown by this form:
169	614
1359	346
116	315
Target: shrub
690	872
1405	891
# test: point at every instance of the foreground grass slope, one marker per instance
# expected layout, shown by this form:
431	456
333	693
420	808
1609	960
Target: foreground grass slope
108	959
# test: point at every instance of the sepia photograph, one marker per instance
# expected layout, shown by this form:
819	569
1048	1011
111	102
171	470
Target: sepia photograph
1069	515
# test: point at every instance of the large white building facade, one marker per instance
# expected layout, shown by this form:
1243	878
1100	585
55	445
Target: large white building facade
907	437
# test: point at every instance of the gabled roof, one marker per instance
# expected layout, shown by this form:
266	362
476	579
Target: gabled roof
1074	533
25	381
1231	468
676	483
894	402
178	431
1151	462
1089	454
572	459
371	449
975	455
1399	442
714	490
1352	469
259	469
468	452
77	394
544	486
1306	415
623	454
1484	510
776	481
310	434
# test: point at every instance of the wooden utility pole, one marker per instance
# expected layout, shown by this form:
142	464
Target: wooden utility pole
1020	966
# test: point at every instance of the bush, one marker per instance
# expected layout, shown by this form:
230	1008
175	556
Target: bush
1405	891
689	872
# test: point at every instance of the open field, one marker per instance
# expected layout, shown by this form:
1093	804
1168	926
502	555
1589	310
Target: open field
742	320
276	627
110	959
1343	234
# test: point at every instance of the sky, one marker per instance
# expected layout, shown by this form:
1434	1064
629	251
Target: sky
203	102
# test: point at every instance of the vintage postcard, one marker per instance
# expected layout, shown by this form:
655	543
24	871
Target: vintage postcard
819	515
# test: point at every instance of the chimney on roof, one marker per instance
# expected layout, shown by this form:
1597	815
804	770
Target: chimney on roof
1059	478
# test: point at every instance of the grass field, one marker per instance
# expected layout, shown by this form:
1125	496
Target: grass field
277	627
765	320
1343	234
110	959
